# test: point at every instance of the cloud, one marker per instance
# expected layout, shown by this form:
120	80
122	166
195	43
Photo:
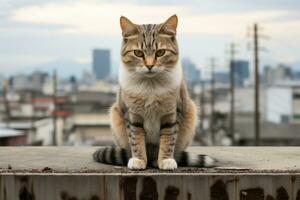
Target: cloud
89	17
83	60
101	19
18	62
70	29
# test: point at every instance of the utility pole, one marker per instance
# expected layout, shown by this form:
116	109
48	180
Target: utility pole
232	92
32	119
256	79
256	47
212	120
54	108
6	103
202	106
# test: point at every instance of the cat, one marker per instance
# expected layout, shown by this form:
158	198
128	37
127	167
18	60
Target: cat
153	119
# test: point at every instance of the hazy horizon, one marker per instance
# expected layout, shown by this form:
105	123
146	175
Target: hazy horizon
37	32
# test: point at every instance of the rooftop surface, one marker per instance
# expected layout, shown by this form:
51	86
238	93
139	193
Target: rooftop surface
4	133
78	160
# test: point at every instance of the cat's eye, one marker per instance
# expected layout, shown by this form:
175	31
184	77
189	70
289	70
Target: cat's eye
138	53
160	52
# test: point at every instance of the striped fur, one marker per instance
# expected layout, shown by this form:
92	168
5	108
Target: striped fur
119	156
153	119
112	155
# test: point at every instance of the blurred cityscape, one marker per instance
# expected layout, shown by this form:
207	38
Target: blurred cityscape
42	108
59	62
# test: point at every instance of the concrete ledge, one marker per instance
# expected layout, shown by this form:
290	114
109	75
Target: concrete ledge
77	160
65	173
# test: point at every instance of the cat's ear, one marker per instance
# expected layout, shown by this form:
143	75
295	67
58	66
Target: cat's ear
128	28
169	27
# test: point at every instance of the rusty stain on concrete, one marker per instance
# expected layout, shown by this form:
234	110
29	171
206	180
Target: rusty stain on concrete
258	194
46	169
298	195
189	196
293	178
269	197
149	189
129	187
281	194
65	196
95	197
218	191
171	193
24	194
4	193
24	179
252	194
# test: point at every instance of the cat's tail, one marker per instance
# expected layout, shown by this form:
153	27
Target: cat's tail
118	156
190	159
112	155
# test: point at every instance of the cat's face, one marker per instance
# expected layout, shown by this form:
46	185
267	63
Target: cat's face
149	49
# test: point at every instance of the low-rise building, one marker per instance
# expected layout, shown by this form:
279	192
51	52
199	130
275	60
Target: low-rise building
90	129
11	137
38	132
283	103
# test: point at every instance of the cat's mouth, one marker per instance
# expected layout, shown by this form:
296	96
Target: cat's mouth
150	73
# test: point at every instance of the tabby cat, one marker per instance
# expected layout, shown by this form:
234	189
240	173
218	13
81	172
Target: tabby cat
153	119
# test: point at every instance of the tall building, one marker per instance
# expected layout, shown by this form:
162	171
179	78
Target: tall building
38	79
241	72
101	63
21	82
277	74
296	75
222	77
2	79
88	78
192	74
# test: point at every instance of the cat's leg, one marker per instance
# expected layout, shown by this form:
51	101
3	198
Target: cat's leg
187	130
187	127
167	141
118	126
137	143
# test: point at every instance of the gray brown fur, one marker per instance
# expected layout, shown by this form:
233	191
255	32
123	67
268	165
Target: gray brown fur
153	119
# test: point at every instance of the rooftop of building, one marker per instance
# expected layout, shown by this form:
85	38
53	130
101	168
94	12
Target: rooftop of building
71	160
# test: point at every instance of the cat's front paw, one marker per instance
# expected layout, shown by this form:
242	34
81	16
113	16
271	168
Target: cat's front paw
136	163
167	164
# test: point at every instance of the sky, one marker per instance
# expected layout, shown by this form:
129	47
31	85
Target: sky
36	33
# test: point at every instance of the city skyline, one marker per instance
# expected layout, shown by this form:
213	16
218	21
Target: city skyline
31	36
101	63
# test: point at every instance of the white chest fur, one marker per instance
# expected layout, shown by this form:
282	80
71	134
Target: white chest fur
133	82
154	102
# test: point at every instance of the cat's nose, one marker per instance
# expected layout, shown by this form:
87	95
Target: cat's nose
149	66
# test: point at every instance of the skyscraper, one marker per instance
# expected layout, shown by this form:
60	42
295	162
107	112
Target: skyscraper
191	72
241	72
101	63
276	74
